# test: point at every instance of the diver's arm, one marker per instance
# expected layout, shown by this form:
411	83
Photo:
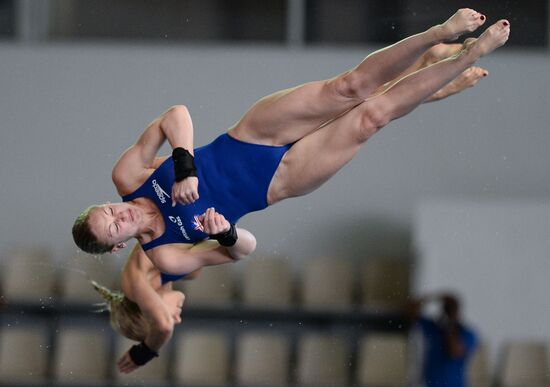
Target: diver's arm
137	288
238	242
176	259
174	125
245	245
161	326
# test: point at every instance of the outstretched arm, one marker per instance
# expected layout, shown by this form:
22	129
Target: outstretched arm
174	125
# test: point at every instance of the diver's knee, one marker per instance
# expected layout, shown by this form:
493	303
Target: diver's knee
369	122
347	85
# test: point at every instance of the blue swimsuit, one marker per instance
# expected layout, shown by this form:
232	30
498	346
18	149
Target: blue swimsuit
234	177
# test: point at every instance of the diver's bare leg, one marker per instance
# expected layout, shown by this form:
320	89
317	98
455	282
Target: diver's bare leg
433	55
468	78
415	88
288	115
388	63
318	156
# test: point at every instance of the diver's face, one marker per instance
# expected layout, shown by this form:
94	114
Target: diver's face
115	223
173	300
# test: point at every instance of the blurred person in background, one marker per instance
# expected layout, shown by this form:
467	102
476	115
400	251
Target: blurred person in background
447	341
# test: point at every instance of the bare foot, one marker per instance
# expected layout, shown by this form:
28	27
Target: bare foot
491	39
463	21
468	78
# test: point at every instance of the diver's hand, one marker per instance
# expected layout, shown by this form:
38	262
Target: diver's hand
185	191
214	222
126	364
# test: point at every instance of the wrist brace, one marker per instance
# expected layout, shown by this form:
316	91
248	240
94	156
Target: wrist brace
184	163
228	238
141	353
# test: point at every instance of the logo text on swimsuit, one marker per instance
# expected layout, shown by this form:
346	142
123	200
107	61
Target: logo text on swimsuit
177	220
160	192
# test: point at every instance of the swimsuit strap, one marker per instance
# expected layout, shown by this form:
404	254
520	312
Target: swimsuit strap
161	240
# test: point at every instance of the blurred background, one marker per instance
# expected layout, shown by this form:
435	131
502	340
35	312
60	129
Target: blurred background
453	197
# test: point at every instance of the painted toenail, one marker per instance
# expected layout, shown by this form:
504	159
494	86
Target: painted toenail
505	23
482	17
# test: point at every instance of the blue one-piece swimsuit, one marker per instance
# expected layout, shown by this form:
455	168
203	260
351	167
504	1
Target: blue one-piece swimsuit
234	177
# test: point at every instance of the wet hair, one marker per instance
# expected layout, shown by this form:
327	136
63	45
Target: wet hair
126	317
84	237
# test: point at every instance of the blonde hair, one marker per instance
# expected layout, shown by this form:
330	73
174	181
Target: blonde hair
126	317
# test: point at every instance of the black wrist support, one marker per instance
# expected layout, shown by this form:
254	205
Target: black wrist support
184	163
228	238
141	353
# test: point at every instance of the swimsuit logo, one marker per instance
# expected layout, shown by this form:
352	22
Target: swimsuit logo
177	220
197	223
160	192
